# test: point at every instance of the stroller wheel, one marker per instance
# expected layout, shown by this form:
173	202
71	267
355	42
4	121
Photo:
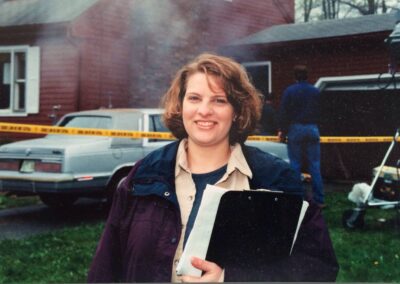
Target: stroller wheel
353	218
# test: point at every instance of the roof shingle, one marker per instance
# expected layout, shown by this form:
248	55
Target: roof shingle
321	29
26	12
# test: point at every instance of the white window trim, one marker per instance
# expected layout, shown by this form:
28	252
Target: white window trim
31	80
262	63
324	82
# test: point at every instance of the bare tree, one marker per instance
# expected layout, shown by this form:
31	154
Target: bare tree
335	9
308	5
367	7
330	9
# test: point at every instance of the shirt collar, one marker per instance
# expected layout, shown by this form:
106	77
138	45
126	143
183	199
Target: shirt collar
236	160
181	158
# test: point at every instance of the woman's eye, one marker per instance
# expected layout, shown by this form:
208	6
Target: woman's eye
221	101
193	98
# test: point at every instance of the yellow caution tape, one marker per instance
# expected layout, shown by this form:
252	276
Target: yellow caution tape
334	139
45	129
356	139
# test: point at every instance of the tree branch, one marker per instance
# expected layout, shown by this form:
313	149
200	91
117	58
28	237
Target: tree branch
360	9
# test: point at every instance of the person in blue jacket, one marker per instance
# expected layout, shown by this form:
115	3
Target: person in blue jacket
211	108
299	119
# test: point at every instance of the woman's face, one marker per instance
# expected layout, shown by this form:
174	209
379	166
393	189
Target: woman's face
207	114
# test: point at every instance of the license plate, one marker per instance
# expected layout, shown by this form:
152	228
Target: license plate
27	166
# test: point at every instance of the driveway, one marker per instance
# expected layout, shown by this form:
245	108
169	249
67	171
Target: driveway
22	222
18	223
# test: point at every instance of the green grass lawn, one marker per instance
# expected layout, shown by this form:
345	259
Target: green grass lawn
371	254
59	257
368	255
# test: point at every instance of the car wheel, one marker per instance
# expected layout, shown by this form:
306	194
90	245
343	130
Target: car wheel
58	201
114	184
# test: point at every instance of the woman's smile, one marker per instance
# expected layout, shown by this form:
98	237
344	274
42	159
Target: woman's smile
205	124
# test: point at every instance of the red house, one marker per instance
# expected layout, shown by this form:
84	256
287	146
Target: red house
86	54
348	60
59	54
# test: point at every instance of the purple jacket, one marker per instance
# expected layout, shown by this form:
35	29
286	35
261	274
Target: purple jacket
143	228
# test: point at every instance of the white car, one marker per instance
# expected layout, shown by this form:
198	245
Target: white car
61	168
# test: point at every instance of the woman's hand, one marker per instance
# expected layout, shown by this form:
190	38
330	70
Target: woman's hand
212	272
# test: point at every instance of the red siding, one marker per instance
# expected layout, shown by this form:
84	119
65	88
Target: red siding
59	77
332	57
103	33
236	19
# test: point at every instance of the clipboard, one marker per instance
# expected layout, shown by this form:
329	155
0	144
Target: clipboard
254	228
250	229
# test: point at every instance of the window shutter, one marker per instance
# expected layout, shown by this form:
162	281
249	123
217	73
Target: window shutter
32	80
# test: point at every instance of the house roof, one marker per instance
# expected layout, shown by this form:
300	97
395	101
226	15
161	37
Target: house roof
321	29
26	12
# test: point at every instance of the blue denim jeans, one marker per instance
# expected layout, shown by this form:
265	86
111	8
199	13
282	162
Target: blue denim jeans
303	141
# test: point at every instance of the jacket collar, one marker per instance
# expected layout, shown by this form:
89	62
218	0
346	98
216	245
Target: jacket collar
155	175
236	160
158	170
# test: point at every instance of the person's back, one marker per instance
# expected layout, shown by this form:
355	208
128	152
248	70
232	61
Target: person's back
304	103
300	104
299	118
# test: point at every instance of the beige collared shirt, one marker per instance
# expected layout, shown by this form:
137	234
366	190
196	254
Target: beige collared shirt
236	178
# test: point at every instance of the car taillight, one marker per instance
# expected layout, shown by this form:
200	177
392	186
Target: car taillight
47	167
9	165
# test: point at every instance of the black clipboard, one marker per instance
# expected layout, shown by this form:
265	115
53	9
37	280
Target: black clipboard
253	228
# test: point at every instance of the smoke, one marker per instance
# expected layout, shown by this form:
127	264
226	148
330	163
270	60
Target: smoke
164	38
161	21
169	33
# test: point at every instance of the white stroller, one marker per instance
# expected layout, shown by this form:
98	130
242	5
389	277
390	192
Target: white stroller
384	191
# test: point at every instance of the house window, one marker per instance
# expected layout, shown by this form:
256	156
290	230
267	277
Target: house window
19	80
260	75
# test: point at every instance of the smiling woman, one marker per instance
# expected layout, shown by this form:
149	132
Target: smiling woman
220	75
211	107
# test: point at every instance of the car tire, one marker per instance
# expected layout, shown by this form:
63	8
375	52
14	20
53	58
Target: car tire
115	182
58	201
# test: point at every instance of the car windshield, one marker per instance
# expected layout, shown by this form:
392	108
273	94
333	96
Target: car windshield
83	121
156	125
99	122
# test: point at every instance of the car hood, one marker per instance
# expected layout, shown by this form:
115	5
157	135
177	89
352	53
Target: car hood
277	149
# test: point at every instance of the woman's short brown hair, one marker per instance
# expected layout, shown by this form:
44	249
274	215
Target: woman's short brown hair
241	94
